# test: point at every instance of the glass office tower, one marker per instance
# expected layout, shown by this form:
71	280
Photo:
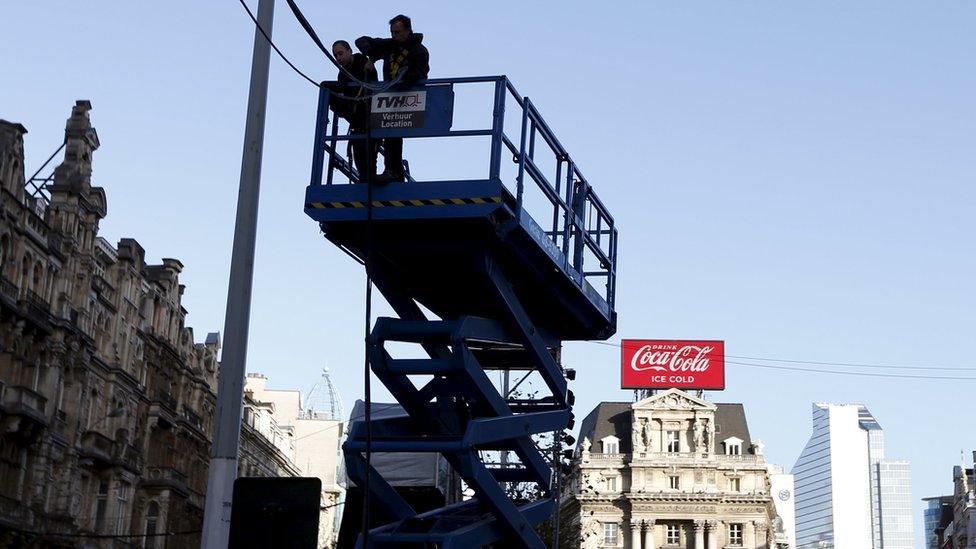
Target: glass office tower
848	496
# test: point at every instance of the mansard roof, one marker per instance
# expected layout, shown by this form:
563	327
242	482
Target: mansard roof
614	418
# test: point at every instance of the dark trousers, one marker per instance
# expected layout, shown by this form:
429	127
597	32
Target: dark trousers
393	155
365	157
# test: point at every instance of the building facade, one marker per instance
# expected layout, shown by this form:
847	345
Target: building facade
106	398
315	440
950	521
848	495
671	471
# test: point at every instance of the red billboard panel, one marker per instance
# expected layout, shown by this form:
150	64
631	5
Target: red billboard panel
667	363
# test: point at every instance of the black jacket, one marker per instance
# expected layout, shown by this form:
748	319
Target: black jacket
354	112
411	58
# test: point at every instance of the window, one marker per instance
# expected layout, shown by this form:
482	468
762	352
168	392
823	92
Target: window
610	531
673	534
101	504
611	484
673	444
122	507
35	382
152	524
733	446
4	250
674	482
734	485
90	418
611	445
735	535
59	398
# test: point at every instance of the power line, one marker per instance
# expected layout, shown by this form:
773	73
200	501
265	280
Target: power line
372	87
840	372
821	363
274	47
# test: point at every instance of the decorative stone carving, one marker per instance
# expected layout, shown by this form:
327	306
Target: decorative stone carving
637	437
590	533
699	436
585	454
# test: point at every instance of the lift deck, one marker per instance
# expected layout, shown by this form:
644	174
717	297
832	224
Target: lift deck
507	287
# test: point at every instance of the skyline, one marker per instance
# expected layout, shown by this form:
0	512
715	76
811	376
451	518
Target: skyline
806	174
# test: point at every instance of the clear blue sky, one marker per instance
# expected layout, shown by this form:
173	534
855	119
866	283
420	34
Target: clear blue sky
797	180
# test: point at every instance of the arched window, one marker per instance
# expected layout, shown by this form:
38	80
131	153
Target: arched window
152	525
4	252
37	278
25	274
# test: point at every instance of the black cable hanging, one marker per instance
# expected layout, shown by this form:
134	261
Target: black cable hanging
303	21
275	48
368	262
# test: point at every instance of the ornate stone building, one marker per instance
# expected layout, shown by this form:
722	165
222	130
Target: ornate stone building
106	400
671	471
950	521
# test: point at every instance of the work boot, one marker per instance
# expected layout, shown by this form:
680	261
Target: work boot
389	177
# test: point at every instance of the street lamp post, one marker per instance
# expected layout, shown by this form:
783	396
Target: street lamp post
230	388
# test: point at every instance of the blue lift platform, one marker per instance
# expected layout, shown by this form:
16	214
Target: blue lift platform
507	289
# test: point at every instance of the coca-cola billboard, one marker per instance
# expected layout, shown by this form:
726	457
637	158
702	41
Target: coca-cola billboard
667	363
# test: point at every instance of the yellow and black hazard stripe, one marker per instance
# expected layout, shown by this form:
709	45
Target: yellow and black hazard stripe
406	203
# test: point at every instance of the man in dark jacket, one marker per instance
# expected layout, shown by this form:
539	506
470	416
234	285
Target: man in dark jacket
404	58
356	112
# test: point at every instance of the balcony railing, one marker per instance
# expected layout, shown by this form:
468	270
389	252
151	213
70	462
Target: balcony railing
8	289
18	397
745	459
15	511
36	308
166	473
97	444
166	399
192	418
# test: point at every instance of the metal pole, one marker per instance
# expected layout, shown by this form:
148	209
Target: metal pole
230	391
506	381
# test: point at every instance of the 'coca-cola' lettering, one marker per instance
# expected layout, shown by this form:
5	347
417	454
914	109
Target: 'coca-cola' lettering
667	363
689	358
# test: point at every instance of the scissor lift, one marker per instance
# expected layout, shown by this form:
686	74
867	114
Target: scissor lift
507	293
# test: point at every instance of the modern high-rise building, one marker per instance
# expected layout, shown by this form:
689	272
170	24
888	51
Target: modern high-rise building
848	495
937	515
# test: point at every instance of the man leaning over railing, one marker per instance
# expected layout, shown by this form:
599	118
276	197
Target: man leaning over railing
406	60
349	105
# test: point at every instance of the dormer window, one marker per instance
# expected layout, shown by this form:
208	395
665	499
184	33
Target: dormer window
611	445
733	446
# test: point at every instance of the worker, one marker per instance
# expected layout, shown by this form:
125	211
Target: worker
405	61
351	103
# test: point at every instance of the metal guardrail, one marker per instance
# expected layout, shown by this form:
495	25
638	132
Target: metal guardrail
579	221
